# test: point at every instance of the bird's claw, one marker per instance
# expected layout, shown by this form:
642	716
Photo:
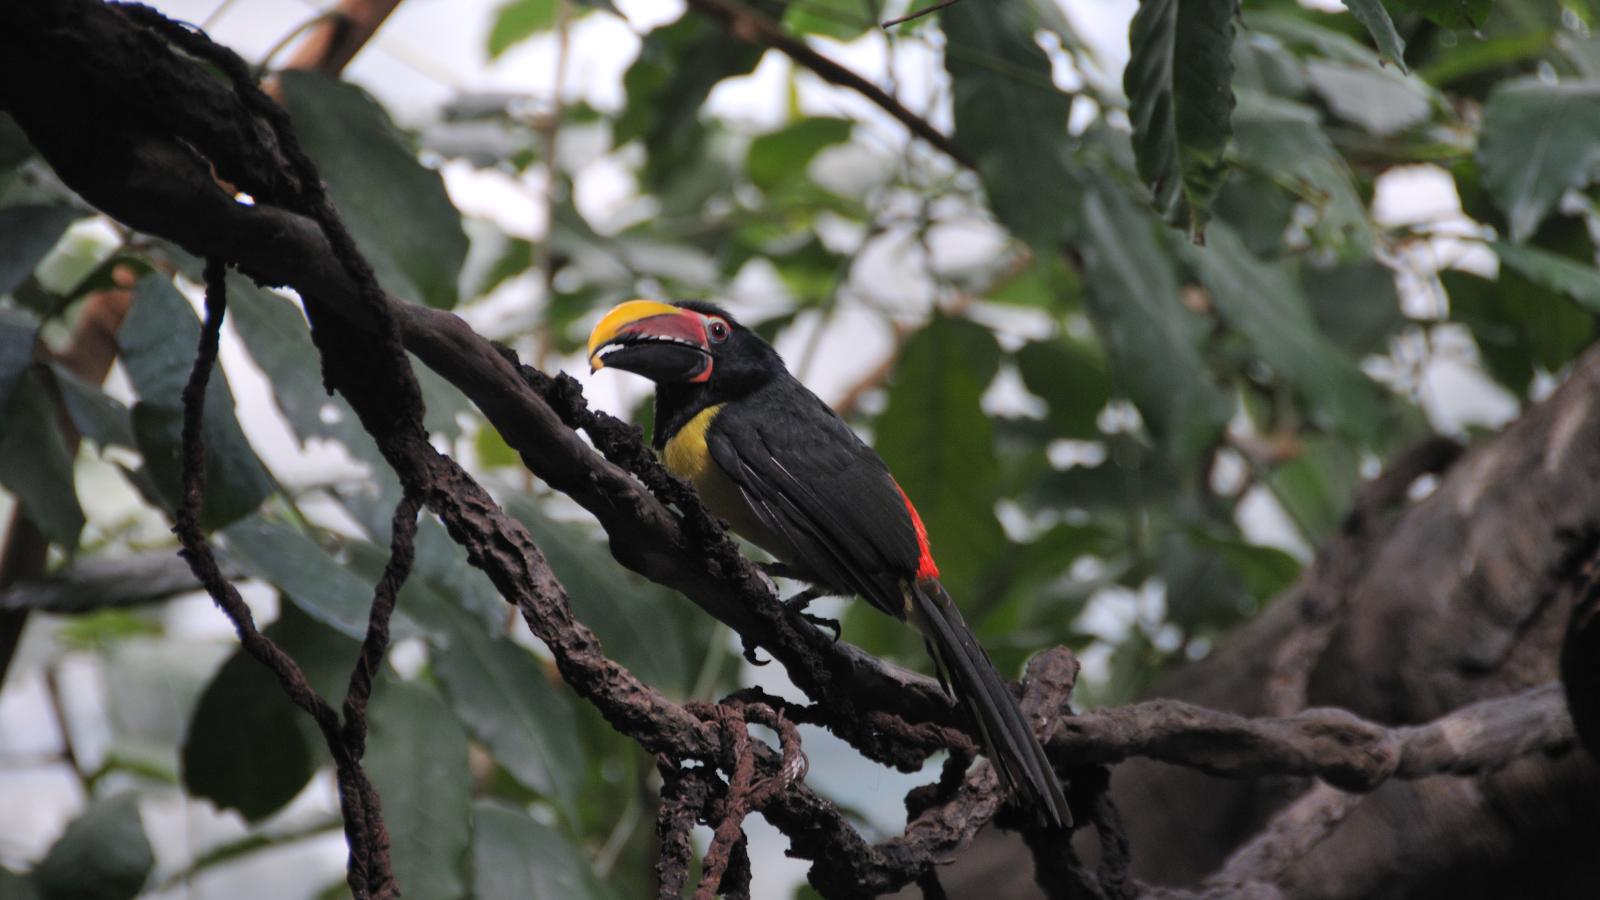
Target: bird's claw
830	624
797	604
750	654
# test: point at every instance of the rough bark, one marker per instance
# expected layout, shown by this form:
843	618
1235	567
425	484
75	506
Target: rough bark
1463	595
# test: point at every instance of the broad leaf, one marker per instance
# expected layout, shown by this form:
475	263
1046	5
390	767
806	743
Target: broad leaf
275	332
1012	120
519	20
1264	303
842	20
1180	96
158	341
36	463
1538	141
643	626
1372	15
1553	271
514	856
1518	325
678	65
248	747
939	444
14	146
27	233
781	156
97	415
313	580
504	696
1450	13
417	757
396	209
19	336
104	855
1153	340
1316	487
1070	376
1274	135
1356	306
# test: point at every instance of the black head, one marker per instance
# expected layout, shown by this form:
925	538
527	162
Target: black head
684	344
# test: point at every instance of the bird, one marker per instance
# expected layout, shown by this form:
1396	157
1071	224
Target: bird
788	474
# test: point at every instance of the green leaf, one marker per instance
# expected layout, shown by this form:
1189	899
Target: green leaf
781	156
12	885
519	20
1286	139
1518	325
104	855
645	627
1450	13
275	333
1012	120
314	581
842	20
678	65
517	858
1071	378
36	463
248	747
1264	571
397	210
1372	15
1316	487
19	335
97	415
417	757
1538	141
1153	340
1356	306
14	146
27	233
939	444
1203	593
1180	98
1264	303
1381	101
504	696
158	342
1558	273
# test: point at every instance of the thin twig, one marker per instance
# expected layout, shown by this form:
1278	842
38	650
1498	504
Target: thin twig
925	11
752	27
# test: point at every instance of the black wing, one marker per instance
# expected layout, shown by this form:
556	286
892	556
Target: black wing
810	479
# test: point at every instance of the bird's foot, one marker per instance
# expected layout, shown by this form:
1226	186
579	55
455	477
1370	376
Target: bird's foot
797	606
777	570
749	651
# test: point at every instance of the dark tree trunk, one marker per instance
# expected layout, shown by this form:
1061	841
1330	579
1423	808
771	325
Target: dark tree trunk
1463	595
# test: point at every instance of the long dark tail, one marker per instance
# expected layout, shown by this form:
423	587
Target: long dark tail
1009	742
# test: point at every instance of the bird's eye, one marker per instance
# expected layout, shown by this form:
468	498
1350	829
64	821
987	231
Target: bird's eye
718	330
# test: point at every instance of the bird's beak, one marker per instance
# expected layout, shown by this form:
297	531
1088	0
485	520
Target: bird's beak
657	340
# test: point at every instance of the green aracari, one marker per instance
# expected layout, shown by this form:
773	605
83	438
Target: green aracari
789	475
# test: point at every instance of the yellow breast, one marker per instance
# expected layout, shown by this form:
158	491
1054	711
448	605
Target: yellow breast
688	457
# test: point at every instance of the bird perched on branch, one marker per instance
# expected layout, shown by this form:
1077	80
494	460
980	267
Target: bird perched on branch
787	473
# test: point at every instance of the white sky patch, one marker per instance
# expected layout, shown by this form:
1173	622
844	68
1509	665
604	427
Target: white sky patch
514	203
1262	521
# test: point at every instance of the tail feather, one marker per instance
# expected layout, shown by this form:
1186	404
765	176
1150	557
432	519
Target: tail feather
1009	742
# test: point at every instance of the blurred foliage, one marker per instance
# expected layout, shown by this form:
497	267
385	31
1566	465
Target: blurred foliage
1191	305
